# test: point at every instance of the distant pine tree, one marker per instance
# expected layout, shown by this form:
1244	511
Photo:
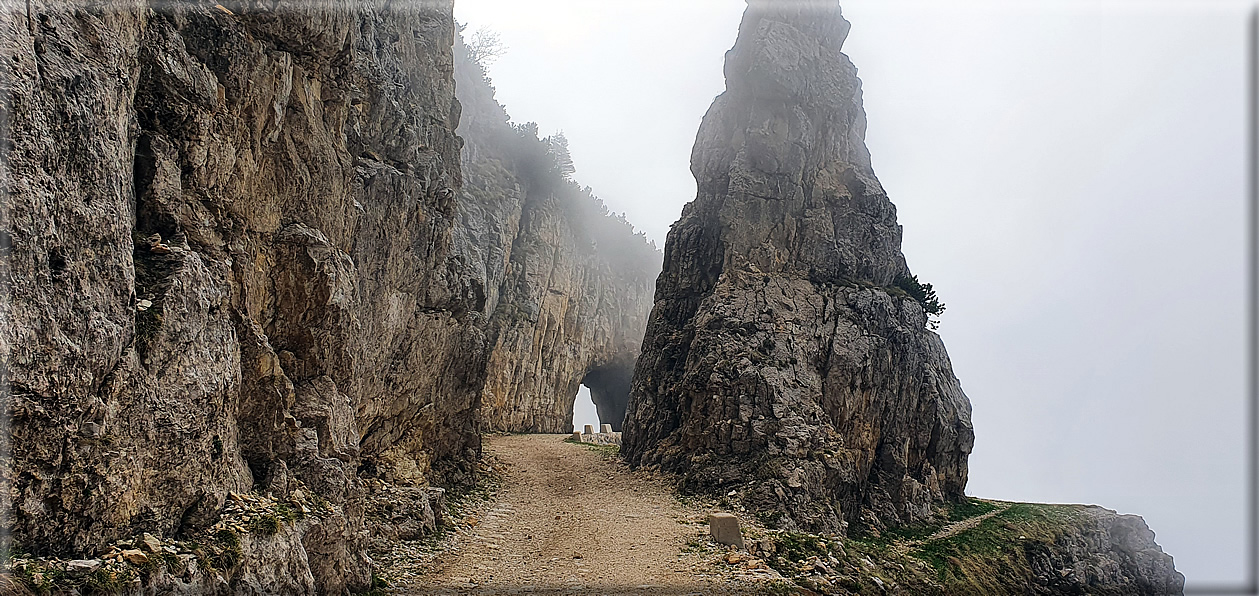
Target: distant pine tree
924	294
557	148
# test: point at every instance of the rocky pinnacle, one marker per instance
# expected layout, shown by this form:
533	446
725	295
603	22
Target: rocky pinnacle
781	360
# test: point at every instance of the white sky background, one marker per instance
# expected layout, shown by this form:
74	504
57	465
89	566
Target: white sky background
1070	176
584	411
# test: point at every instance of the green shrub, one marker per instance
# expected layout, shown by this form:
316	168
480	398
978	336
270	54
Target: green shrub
266	525
923	293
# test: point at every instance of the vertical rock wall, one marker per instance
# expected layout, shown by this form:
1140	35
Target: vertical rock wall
780	361
570	284
302	313
241	259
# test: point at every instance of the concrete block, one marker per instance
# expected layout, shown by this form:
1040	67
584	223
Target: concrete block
590	429
606	429
724	528
577	436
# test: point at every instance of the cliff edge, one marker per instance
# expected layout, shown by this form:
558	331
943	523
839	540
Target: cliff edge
790	367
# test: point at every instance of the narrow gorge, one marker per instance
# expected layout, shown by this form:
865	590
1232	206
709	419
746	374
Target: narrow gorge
244	256
272	269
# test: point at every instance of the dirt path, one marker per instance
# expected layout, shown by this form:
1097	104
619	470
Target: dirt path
569	519
956	528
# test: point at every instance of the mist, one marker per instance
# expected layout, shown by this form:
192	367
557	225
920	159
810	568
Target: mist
1071	178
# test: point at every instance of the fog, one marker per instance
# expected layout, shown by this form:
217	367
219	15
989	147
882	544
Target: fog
584	411
1070	176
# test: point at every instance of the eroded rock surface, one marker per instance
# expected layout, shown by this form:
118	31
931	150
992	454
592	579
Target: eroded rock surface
789	365
242	260
779	362
228	241
570	283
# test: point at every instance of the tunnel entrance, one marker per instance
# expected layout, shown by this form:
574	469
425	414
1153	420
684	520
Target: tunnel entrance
609	390
584	411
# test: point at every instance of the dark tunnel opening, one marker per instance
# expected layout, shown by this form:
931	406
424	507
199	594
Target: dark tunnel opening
609	390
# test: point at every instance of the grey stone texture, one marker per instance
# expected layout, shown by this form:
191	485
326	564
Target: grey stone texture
1104	552
783	366
305	310
568	285
240	252
777	361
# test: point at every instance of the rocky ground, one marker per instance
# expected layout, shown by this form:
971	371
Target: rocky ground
555	516
571	518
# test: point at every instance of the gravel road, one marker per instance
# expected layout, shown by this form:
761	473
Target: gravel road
570	519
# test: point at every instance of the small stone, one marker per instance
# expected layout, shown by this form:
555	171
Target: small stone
143	305
151	543
83	565
724	528
159	249
135	556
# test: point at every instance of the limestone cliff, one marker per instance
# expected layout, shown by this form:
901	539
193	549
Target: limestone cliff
779	360
570	283
788	363
246	276
229	253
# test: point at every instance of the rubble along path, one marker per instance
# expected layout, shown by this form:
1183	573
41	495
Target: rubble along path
571	519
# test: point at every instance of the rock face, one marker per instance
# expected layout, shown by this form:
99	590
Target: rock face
985	547
570	284
1103	552
229	248
788	361
241	258
781	359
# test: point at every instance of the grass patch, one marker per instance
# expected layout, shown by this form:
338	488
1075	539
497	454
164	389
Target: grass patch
38	578
228	556
973	559
266	524
287	513
969	508
108	581
606	451
792	548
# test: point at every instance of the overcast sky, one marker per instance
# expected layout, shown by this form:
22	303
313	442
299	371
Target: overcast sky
1071	177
